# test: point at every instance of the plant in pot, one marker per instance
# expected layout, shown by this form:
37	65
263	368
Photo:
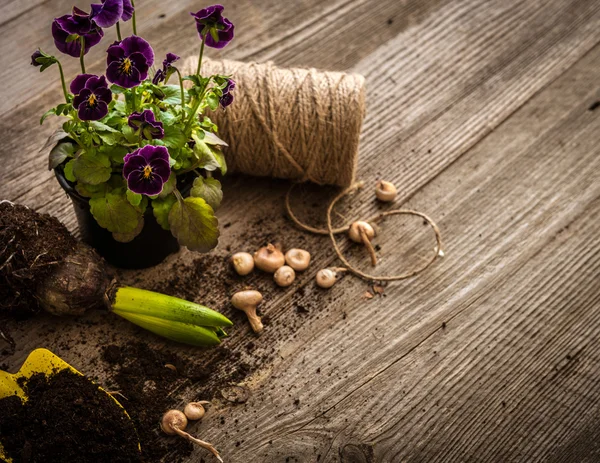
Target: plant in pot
137	154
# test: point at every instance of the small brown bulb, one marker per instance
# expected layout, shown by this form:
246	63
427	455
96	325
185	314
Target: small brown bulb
298	259
363	232
194	411
385	191
326	278
172	420
360	229
269	258
247	301
243	263
284	276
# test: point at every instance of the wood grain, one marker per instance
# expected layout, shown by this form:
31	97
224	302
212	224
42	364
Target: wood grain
479	112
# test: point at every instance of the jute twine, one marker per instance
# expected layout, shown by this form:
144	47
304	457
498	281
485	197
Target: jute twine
331	232
299	124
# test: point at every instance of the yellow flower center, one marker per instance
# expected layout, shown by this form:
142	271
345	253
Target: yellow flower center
147	171
126	66
92	100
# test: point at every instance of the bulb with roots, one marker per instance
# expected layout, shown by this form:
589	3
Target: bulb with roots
174	423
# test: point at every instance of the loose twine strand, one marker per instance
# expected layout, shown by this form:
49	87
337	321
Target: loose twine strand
299	124
331	232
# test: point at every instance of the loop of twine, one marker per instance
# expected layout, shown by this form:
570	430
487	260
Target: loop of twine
300	124
375	218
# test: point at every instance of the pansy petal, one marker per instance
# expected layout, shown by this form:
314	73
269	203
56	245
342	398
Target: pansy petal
88	113
133	162
155	152
133	44
81	97
150	186
107	13
129	155
78	83
161	168
127	10
104	94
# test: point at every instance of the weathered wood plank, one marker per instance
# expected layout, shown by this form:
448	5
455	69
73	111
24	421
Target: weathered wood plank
407	376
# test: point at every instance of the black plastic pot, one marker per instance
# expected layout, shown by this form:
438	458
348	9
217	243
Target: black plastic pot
147	249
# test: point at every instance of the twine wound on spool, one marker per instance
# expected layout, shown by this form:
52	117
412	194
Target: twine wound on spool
299	124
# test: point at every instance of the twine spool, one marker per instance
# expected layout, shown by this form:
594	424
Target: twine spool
299	124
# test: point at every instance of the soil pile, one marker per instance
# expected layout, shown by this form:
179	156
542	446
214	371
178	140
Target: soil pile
31	246
66	419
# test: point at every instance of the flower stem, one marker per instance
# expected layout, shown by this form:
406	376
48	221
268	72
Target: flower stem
62	81
195	108
82	53
201	53
133	24
182	95
119	31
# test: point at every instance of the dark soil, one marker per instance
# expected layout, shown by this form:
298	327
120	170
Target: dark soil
31	246
66	419
141	376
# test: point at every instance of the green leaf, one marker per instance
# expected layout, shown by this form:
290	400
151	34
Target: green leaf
115	153
169	186
60	152
50	112
100	127
68	171
109	138
209	158
117	89
115	213
92	191
209	190
134	198
127	237
161	208
212	139
173	94
174	137
212	99
166	117
92	168
129	134
194	224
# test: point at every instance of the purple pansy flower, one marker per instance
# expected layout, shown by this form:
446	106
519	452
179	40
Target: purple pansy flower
36	54
147	169
92	96
219	30
165	72
67	30
146	124
128	61
108	13
127	10
227	97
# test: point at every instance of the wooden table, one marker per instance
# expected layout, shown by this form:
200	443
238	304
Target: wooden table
486	114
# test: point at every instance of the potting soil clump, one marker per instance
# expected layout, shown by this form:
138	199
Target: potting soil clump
32	245
67	418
